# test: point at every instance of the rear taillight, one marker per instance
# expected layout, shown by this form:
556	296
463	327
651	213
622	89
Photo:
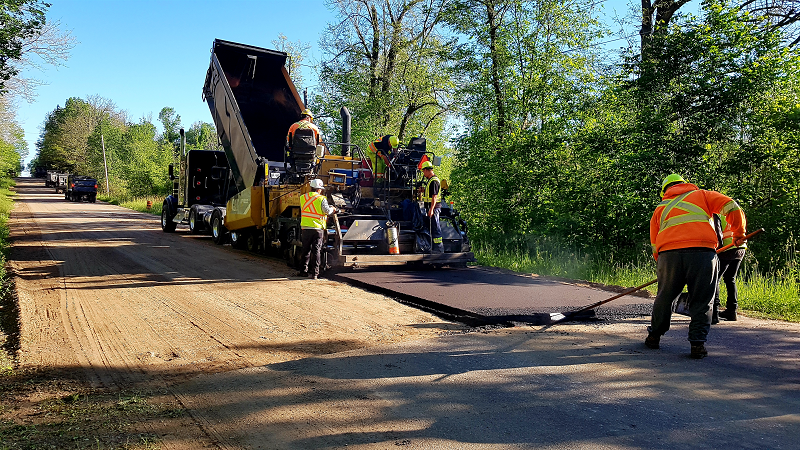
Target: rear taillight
95	186
72	185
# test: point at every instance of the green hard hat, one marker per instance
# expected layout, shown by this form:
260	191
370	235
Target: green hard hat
393	141
671	178
426	165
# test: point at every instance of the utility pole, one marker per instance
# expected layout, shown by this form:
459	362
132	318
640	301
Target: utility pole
105	164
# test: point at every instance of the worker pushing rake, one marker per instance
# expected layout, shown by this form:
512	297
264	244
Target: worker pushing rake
684	243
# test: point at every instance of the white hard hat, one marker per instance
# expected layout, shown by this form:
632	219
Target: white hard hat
316	184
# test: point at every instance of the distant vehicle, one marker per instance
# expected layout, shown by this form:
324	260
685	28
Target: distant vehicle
81	188
51	178
60	183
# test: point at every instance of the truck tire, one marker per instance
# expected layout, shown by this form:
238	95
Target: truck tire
251	243
217	228
238	239
195	223
167	225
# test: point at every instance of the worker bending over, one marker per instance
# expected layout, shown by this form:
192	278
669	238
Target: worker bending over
430	197
729	262
314	213
684	243
379	153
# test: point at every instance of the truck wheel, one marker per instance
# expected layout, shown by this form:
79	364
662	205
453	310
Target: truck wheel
194	222
217	228
167	225
252	243
238	239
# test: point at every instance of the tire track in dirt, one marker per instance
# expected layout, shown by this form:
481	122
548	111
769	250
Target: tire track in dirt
105	291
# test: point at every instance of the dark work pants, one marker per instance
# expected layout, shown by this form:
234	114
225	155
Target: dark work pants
696	269
729	263
312	246
436	229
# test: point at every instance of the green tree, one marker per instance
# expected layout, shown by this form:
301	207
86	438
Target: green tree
20	20
386	62
715	103
63	144
527	80
144	160
171	121
201	136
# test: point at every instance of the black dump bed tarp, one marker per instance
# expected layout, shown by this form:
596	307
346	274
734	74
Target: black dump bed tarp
253	105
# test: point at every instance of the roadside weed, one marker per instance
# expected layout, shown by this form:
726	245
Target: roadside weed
136	203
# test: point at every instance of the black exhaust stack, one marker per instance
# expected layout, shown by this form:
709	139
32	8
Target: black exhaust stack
345	130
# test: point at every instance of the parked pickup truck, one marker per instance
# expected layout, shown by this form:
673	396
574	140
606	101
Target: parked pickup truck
81	188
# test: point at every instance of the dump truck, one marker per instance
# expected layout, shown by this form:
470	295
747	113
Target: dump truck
248	193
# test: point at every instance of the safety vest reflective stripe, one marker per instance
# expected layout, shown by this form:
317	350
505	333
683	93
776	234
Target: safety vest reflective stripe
727	234
309	206
426	196
730	206
311	215
694	213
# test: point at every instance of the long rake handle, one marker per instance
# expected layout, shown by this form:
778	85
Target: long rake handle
634	289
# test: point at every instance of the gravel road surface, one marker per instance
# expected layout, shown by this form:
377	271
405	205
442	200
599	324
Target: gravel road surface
265	360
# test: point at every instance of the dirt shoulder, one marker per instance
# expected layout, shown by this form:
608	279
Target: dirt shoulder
107	298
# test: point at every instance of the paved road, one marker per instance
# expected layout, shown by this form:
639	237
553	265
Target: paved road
482	295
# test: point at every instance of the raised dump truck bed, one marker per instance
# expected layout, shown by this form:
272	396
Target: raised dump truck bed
256	204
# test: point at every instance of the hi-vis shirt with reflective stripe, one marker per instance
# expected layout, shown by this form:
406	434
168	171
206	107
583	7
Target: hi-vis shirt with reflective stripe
311	213
426	196
727	235
683	218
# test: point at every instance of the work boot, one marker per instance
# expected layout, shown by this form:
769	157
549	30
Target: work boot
652	341
728	314
715	315
301	274
314	277
698	350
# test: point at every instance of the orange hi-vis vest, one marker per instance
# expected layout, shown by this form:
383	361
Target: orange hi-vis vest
684	219
311	214
301	124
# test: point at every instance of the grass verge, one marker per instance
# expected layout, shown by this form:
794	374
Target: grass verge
136	203
9	326
774	296
41	410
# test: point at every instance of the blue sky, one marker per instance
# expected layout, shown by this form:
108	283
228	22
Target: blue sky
146	54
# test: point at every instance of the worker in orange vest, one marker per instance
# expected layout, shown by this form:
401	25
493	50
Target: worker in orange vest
684	245
306	122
